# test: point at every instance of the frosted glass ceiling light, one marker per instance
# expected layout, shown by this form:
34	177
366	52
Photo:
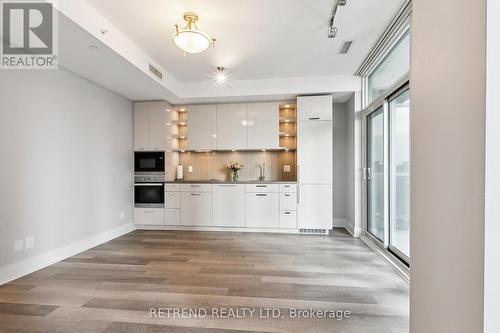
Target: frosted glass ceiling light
190	39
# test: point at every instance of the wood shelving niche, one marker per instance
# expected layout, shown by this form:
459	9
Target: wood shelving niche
288	126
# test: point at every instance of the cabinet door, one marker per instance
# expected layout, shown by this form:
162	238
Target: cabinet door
310	108
202	127
315	152
149	216
262	210
157	125
141	126
263	126
172	216
315	207
196	208
229	205
232	126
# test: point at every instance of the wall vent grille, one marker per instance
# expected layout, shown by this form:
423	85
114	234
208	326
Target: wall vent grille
314	231
156	72
345	47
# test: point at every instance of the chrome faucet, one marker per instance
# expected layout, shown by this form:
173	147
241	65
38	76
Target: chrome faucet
262	171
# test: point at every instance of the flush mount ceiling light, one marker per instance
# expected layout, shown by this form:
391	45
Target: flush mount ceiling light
220	74
190	39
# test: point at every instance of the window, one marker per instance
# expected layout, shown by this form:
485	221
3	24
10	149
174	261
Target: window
392	68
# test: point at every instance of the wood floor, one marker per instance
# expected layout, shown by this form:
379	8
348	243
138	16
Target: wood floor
112	288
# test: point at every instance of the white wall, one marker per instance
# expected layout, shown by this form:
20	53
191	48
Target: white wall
492	214
66	161
448	139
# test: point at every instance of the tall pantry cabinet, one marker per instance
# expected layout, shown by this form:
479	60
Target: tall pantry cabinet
315	162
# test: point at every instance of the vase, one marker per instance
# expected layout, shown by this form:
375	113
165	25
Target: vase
235	176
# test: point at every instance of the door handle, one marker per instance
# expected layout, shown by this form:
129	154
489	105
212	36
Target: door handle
369	173
298	194
314	118
195	194
261	195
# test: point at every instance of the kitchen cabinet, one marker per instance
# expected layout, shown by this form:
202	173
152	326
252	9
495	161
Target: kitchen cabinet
288	201
150	126
202	127
288	219
149	216
315	206
315	152
232	126
141	126
196	208
172	200
157	125
172	216
262	188
311	108
196	187
229	205
262	210
263	126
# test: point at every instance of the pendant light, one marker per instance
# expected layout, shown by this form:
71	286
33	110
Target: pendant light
190	39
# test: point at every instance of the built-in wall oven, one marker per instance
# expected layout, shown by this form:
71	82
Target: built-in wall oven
149	191
149	163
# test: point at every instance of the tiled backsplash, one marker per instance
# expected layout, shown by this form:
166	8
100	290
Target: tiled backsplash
213	165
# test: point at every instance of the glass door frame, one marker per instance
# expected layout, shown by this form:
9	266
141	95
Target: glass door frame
382	101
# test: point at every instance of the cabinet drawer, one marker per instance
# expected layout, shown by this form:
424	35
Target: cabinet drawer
196	187
149	216
262	188
173	200
288	201
288	188
172	187
288	219
172	216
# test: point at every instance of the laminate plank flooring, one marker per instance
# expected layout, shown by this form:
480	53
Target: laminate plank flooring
114	287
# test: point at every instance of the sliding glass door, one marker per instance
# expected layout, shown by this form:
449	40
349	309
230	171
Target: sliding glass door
374	174
399	171
387	173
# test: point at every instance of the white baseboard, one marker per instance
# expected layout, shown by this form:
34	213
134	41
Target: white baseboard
30	265
225	229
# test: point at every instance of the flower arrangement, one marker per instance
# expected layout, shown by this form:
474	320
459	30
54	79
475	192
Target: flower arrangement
235	167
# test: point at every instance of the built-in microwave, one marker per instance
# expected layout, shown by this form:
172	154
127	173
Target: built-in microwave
149	192
149	163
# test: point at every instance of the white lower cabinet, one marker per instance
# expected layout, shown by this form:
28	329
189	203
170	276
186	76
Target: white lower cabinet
262	210
196	208
229	205
315	207
288	201
288	219
173	200
172	216
149	216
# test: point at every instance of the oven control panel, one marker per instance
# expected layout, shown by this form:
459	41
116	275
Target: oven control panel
149	179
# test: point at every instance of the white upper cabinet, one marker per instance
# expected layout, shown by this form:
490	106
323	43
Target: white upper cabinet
202	127
263	126
310	108
141	126
315	152
149	126
231	126
157	125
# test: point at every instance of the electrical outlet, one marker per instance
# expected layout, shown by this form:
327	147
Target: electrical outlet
122	215
18	245
29	242
286	169
190	169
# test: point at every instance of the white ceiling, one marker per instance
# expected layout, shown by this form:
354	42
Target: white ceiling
256	39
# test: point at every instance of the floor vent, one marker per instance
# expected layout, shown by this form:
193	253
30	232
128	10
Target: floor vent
314	231
345	47
156	72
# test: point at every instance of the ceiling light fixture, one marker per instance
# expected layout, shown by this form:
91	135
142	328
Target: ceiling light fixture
190	39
